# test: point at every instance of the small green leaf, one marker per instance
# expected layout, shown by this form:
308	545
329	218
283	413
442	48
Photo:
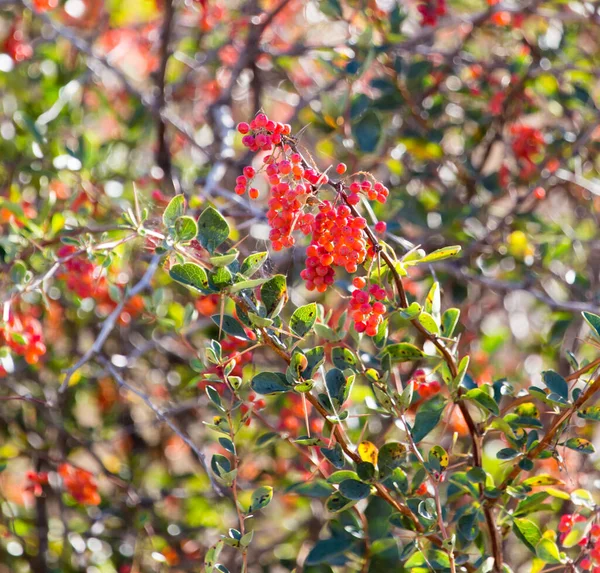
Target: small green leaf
337	386
441	254
303	319
18	272
253	263
223	260
594	321
190	274
449	322
438	458
270	383
556	383
528	532
576	534
343	358
185	228
391	456
261	498
427	418
174	210
230	325
482	398
590	413
326	550
274	294
213	229
337	502
354	489
580	445
403	352
367	132
548	551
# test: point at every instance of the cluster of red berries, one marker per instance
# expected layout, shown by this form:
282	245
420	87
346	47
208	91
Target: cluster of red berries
337	239
262	133
527	142
592	560
425	388
37	481
374	191
366	308
23	335
15	45
80	484
431	10
81	276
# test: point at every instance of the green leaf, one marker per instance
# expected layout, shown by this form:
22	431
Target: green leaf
576	534
224	260
261	498
230	325
427	418
543	479
325	550
18	272
354	489
335	456
185	228
411	311
403	352
594	321
449	322
337	502
274	294
367	132
243	285
434	558
432	302
253	263
441	254
580	445
548	551
213	229
482	398
429	322
528	532
270	383
315	357
191	275
174	210
390	457
438	458
339	477
556	383
337	386
315	488
590	413
343	358
303	319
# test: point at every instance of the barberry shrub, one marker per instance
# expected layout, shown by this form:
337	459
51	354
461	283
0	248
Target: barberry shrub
295	286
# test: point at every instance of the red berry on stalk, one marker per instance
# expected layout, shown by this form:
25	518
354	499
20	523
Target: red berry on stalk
539	193
341	168
380	227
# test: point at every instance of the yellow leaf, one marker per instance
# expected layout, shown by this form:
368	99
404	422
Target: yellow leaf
368	452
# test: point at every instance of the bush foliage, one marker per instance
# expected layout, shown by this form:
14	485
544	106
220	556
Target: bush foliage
299	286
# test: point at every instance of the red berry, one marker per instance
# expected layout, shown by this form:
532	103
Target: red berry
243	128
253	193
380	227
341	168
539	193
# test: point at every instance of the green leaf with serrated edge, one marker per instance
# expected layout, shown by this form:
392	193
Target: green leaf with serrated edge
191	275
580	445
230	325
343	358
185	228
270	383
548	551
556	383
274	294
213	229
403	352
528	532
223	260
253	263
449	322
303	319
481	397
594	321
174	210
428	322
354	489
261	497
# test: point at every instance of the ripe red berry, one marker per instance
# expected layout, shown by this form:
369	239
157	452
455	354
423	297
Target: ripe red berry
341	168
359	282
539	193
243	128
253	193
380	227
